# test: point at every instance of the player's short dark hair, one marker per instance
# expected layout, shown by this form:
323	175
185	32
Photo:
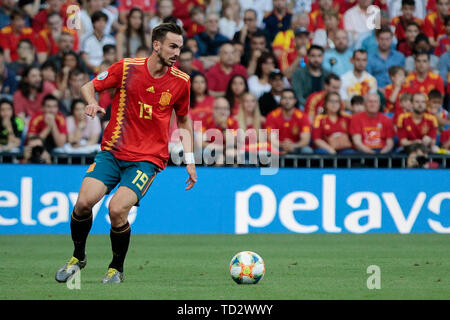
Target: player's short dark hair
108	47
408	3
159	33
434	94
1	50
356	100
363	51
331	76
394	69
49	97
97	15
315	47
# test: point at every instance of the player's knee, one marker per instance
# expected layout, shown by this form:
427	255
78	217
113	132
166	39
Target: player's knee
117	214
83	207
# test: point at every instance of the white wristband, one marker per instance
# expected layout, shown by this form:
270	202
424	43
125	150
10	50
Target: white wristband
189	158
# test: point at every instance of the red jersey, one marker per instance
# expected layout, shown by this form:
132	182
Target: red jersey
432	81
314	104
46	43
374	131
37	124
394	108
405	48
210	124
181	9
141	109
316	21
40	19
433	26
445	136
9	40
400	23
442	47
193	29
324	127
144	5
202	109
407	128
290	128
218	79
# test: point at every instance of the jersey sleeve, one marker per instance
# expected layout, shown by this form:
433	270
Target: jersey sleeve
355	127
181	106
111	78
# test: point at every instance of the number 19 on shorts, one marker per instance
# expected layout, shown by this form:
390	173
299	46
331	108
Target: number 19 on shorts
140	180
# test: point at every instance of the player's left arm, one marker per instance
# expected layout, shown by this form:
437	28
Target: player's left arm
186	135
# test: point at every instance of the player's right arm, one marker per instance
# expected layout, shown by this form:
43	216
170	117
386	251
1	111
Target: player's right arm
111	78
88	94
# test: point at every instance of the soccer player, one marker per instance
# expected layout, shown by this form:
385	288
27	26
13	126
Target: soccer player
134	144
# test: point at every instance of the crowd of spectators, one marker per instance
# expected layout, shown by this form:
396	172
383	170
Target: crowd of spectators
316	70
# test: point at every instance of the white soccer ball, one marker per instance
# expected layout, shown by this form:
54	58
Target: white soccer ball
247	267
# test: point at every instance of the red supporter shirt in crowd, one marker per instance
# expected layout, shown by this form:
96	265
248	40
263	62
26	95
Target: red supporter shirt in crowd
141	109
432	81
9	40
46	43
445	136
209	123
30	107
407	128
193	29
218	79
400	23
443	46
374	131
37	124
290	128
181	9
316	21
202	109
405	48
314	103
144	5
433	26
394	108
324	127
40	19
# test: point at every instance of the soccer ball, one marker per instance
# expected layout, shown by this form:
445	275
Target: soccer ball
247	267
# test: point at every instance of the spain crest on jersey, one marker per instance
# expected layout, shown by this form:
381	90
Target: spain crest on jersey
165	99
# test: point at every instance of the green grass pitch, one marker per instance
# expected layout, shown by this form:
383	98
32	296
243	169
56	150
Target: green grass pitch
172	267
